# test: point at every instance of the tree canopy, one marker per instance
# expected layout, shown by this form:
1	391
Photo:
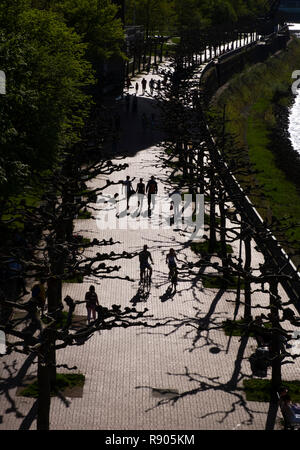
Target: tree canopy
171	16
48	53
96	22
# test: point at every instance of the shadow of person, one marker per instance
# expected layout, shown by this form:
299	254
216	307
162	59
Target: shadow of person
136	298
140	296
122	214
136	213
144	214
168	295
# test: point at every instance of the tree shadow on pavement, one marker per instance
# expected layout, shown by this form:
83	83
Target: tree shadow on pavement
18	378
199	327
199	331
13	381
136	133
206	384
272	415
214	384
30	417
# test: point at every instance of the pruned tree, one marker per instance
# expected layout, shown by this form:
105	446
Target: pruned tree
184	125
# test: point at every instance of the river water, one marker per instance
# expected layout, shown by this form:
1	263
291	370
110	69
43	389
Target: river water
294	123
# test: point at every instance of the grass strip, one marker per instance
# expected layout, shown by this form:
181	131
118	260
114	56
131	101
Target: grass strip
63	382
251	99
239	327
219	282
202	248
258	390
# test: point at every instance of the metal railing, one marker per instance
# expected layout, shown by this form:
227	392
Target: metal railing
271	249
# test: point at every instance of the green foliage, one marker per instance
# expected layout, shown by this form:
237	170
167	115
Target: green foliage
45	105
61	321
157	16
249	101
203	248
219	282
238	327
95	21
187	16
260	390
84	215
63	381
74	279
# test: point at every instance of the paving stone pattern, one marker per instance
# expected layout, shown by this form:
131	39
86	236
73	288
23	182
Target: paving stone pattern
129	371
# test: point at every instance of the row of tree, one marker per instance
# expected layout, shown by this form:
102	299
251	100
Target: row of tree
52	142
50	53
199	165
50	139
178	16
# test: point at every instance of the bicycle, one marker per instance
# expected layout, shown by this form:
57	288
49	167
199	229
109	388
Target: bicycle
145	281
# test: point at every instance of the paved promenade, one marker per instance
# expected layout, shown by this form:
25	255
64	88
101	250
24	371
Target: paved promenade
129	371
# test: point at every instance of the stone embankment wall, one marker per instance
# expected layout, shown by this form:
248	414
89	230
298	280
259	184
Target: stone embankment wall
215	75
223	68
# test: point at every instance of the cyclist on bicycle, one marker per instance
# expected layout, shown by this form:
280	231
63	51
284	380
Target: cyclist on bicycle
171	259
144	256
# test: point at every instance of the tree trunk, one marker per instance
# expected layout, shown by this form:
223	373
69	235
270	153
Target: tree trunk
247	267
200	168
212	222
275	350
54	302
223	237
44	399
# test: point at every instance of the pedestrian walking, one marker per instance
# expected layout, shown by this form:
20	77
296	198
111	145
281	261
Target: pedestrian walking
155	68
92	302
195	99
151	85
151	189
144	85
158	85
176	202
140	189
128	83
38	293
136	88
129	191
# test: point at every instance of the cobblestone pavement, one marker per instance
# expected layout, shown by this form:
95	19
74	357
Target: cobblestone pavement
128	371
